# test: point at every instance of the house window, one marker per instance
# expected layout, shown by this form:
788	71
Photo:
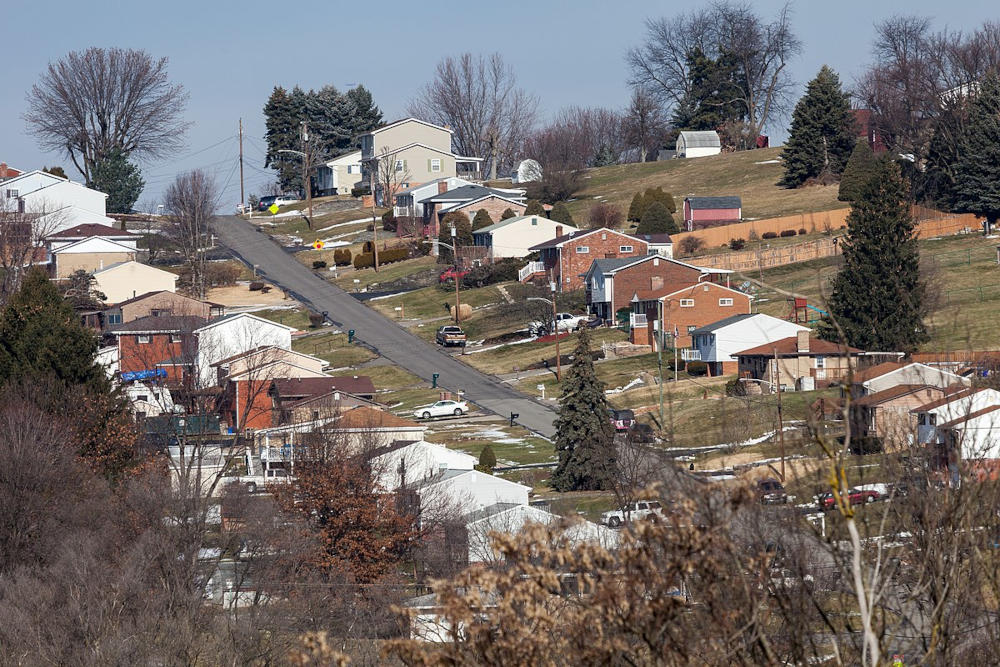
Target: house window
625	248
582	249
435	165
399	165
115	318
687	303
931	419
534	222
725	302
820	362
175	338
143	398
12	193
143	338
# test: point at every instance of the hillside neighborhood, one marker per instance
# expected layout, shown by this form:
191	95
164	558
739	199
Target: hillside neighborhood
710	374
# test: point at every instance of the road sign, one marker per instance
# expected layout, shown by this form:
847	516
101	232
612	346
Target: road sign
318	245
273	208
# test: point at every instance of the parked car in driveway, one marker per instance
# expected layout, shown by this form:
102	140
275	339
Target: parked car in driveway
264	203
854	496
450	335
771	492
565	322
643	509
442	409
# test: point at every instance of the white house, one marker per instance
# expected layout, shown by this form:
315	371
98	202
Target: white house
976	436
235	334
416	462
60	202
511	519
698	144
514	236
121	282
470	490
950	408
149	400
718	343
409	202
91	230
338	176
915	374
526	171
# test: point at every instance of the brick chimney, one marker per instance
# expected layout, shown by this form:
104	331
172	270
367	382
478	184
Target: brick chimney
802	341
558	231
3	171
442	186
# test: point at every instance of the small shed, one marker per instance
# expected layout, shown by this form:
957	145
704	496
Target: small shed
526	171
702	212
698	144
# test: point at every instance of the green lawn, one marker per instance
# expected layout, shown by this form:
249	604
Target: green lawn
298	318
334	349
429	302
511	444
386	273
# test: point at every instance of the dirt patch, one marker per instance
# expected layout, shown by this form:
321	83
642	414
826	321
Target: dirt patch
240	295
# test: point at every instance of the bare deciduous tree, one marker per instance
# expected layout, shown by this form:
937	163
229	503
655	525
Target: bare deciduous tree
22	233
93	101
478	97
190	202
645	125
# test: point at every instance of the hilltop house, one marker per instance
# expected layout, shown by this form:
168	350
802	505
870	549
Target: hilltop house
408	206
684	309
89	255
160	303
698	144
338	176
701	212
717	344
161	346
58	202
468	200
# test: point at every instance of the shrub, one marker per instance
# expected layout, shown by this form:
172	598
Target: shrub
697	368
489	274
785	233
803	232
656	219
508	213
680	365
481	219
534	207
342	257
315	320
636	208
364	260
736	244
752	236
368	246
561	214
389	221
361	192
319	264
603	214
691	245
736	388
487	460
222	274
256	286
769	235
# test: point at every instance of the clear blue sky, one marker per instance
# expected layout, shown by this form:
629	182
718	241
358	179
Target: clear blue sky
229	55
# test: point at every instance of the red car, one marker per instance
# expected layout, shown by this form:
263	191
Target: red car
855	497
451	274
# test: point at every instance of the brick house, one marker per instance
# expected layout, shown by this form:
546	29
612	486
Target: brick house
803	362
468	199
567	258
287	393
164	343
613	284
684	309
701	212
889	414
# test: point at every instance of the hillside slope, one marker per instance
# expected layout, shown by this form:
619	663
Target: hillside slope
749	174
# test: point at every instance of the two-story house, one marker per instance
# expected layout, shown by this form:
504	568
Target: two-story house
718	343
468	200
420	152
58	203
158	304
338	176
683	309
164	346
566	258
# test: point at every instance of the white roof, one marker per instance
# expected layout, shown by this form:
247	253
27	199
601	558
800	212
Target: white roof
701	139
345	159
93	244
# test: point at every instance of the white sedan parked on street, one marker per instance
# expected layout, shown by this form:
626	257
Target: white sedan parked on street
442	409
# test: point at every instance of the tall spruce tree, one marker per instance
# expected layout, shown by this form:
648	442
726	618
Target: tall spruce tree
977	176
878	298
636	208
482	219
282	123
118	178
860	168
584	435
657	220
822	135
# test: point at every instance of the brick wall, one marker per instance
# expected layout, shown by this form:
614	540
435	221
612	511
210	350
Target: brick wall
640	278
494	206
136	356
600	245
705	310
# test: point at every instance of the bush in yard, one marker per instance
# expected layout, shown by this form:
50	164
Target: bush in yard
482	219
602	214
736	244
366	260
534	207
785	233
389	221
222	274
769	235
315	320
691	244
665	198
319	264
736	388
656	219
489	274
342	257
487	460
361	192
680	365
508	213
697	368
256	286
636	208
803	232
560	213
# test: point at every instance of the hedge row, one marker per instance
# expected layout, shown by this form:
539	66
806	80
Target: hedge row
365	260
342	256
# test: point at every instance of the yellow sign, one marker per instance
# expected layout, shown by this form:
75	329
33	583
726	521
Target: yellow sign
273	208
318	245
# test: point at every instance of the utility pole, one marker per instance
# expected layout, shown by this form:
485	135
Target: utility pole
659	353
555	327
306	161
243	200
454	251
373	187
781	423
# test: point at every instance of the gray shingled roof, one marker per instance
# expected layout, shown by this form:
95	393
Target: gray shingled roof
714	202
467	193
605	265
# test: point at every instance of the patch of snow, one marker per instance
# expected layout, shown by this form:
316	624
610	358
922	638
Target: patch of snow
330	243
388	296
631	385
344	224
768	162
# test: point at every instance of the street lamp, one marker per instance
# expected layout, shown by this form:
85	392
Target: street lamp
456	276
555	327
305	172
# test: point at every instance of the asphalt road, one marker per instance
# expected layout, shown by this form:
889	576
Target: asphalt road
384	336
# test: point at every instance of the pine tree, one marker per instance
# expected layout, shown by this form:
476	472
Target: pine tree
364	115
860	168
657	194
482	219
977	175
878	298
636	208
508	213
41	335
282	122
561	214
822	135
487	460
656	220
118	178
463	235
584	435
534	207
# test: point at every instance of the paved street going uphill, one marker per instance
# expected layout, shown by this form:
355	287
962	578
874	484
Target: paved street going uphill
389	340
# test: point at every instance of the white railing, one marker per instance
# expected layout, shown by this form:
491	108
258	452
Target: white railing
637	320
688	354
530	269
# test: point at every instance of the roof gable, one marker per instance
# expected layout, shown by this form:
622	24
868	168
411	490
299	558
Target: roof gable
560	241
738	319
403	121
701	138
93	244
790	345
89	229
225	319
517	219
134	266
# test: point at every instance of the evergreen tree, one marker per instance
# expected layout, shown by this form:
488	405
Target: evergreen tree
463	235
508	213
487	460
55	171
482	219
822	135
605	156
560	213
363	114
584	435
636	208
534	207
860	168
711	101
656	220
935	184
328	115
118	178
977	175
877	297
657	194
41	335
282	123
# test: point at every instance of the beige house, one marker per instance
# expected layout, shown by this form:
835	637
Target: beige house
338	176
420	152
158	304
890	414
128	280
251	363
514	236
92	254
800	362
